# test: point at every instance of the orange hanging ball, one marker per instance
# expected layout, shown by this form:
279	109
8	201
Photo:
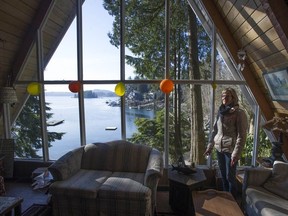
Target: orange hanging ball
166	86
75	86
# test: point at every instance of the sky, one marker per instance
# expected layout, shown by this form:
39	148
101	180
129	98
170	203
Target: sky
101	60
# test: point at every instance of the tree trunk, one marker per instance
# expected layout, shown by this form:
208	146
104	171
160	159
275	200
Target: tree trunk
197	129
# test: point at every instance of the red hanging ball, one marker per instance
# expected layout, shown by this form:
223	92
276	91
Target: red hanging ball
75	86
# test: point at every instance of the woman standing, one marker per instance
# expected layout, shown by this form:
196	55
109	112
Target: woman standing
228	137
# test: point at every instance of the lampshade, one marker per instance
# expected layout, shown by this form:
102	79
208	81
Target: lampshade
8	95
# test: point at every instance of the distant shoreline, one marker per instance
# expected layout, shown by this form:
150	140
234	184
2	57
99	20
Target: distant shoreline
99	92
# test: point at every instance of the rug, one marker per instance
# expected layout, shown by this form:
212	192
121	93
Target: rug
38	210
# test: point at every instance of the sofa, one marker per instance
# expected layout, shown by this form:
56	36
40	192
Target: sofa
112	178
265	191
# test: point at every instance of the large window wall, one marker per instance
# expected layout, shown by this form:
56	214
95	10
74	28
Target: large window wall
142	54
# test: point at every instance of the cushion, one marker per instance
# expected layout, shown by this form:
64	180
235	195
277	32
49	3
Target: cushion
122	194
116	156
84	184
278	182
123	185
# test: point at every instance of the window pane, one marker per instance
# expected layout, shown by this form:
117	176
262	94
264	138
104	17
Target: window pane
244	105
145	115
222	71
195	114
27	131
102	113
63	64
101	59
65	119
142	104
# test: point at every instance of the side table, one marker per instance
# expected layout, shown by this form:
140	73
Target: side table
181	187
7	204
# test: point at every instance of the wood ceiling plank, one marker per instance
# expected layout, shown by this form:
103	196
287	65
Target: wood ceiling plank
240	33
227	7
268	49
240	18
257	16
18	10
236	23
48	40
275	60
272	62
27	7
220	3
263	26
234	12
259	42
33	4
277	12
257	3
250	7
12	20
258	36
249	25
57	17
9	28
11	41
52	29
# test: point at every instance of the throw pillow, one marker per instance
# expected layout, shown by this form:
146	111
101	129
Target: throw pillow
278	182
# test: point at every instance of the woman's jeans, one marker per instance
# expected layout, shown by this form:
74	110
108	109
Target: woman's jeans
228	172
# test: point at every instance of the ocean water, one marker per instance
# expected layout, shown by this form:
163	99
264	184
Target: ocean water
98	116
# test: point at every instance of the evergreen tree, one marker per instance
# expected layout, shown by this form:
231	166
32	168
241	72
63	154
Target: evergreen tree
151	132
27	129
145	38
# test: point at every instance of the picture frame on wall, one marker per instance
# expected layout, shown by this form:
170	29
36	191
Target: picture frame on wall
277	83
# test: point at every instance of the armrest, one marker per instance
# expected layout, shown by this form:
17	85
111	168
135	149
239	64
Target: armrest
67	165
255	177
154	169
154	172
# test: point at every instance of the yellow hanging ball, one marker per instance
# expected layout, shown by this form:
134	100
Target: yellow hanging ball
214	85
166	86
120	89
34	88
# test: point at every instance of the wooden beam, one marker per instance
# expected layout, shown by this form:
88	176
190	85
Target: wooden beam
233	48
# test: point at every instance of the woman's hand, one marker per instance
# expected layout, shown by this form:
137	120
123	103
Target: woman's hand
207	152
233	161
